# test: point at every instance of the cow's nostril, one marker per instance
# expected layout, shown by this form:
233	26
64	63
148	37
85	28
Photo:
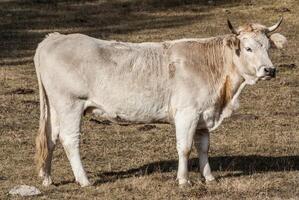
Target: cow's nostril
267	70
270	71
273	72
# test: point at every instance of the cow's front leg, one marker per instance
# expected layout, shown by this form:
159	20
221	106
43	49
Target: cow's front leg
202	143
185	125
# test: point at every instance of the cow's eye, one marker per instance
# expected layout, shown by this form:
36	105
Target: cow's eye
248	49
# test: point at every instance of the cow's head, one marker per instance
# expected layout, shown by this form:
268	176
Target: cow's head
251	44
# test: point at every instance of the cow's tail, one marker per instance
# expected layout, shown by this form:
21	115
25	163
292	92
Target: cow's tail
42	137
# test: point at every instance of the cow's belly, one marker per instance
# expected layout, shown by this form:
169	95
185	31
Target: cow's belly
130	108
139	116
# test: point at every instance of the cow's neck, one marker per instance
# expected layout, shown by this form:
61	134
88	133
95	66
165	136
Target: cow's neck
230	89
227	101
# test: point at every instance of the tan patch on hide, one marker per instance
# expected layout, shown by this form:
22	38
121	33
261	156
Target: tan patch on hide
247	28
205	59
171	70
226	92
256	28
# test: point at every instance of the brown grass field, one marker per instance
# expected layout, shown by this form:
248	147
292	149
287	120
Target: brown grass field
254	154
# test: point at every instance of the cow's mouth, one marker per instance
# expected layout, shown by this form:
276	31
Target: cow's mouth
268	77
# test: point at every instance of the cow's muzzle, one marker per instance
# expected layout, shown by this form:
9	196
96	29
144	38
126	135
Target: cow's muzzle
270	72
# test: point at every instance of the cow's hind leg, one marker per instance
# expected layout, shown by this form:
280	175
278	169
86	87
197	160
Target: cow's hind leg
70	122
202	140
52	135
185	123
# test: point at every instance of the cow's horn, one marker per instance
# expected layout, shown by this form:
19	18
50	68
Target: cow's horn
231	27
275	26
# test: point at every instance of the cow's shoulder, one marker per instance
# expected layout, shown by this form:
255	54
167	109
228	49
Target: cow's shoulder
199	57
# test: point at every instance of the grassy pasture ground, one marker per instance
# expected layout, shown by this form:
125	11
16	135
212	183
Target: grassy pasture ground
255	153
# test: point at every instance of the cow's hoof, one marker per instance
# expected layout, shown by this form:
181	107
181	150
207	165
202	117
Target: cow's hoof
211	181
184	184
85	184
41	174
47	181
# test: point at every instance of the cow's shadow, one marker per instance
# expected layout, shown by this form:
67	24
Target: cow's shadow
234	165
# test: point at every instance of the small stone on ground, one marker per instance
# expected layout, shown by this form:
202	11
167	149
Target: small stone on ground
24	190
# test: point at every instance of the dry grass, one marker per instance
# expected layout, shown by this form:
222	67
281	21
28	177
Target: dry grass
254	153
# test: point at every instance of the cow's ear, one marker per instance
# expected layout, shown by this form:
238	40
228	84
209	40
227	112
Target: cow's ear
233	43
278	41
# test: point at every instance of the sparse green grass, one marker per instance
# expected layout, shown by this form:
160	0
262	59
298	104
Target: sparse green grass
254	153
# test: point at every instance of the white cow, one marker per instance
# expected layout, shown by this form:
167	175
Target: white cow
191	83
